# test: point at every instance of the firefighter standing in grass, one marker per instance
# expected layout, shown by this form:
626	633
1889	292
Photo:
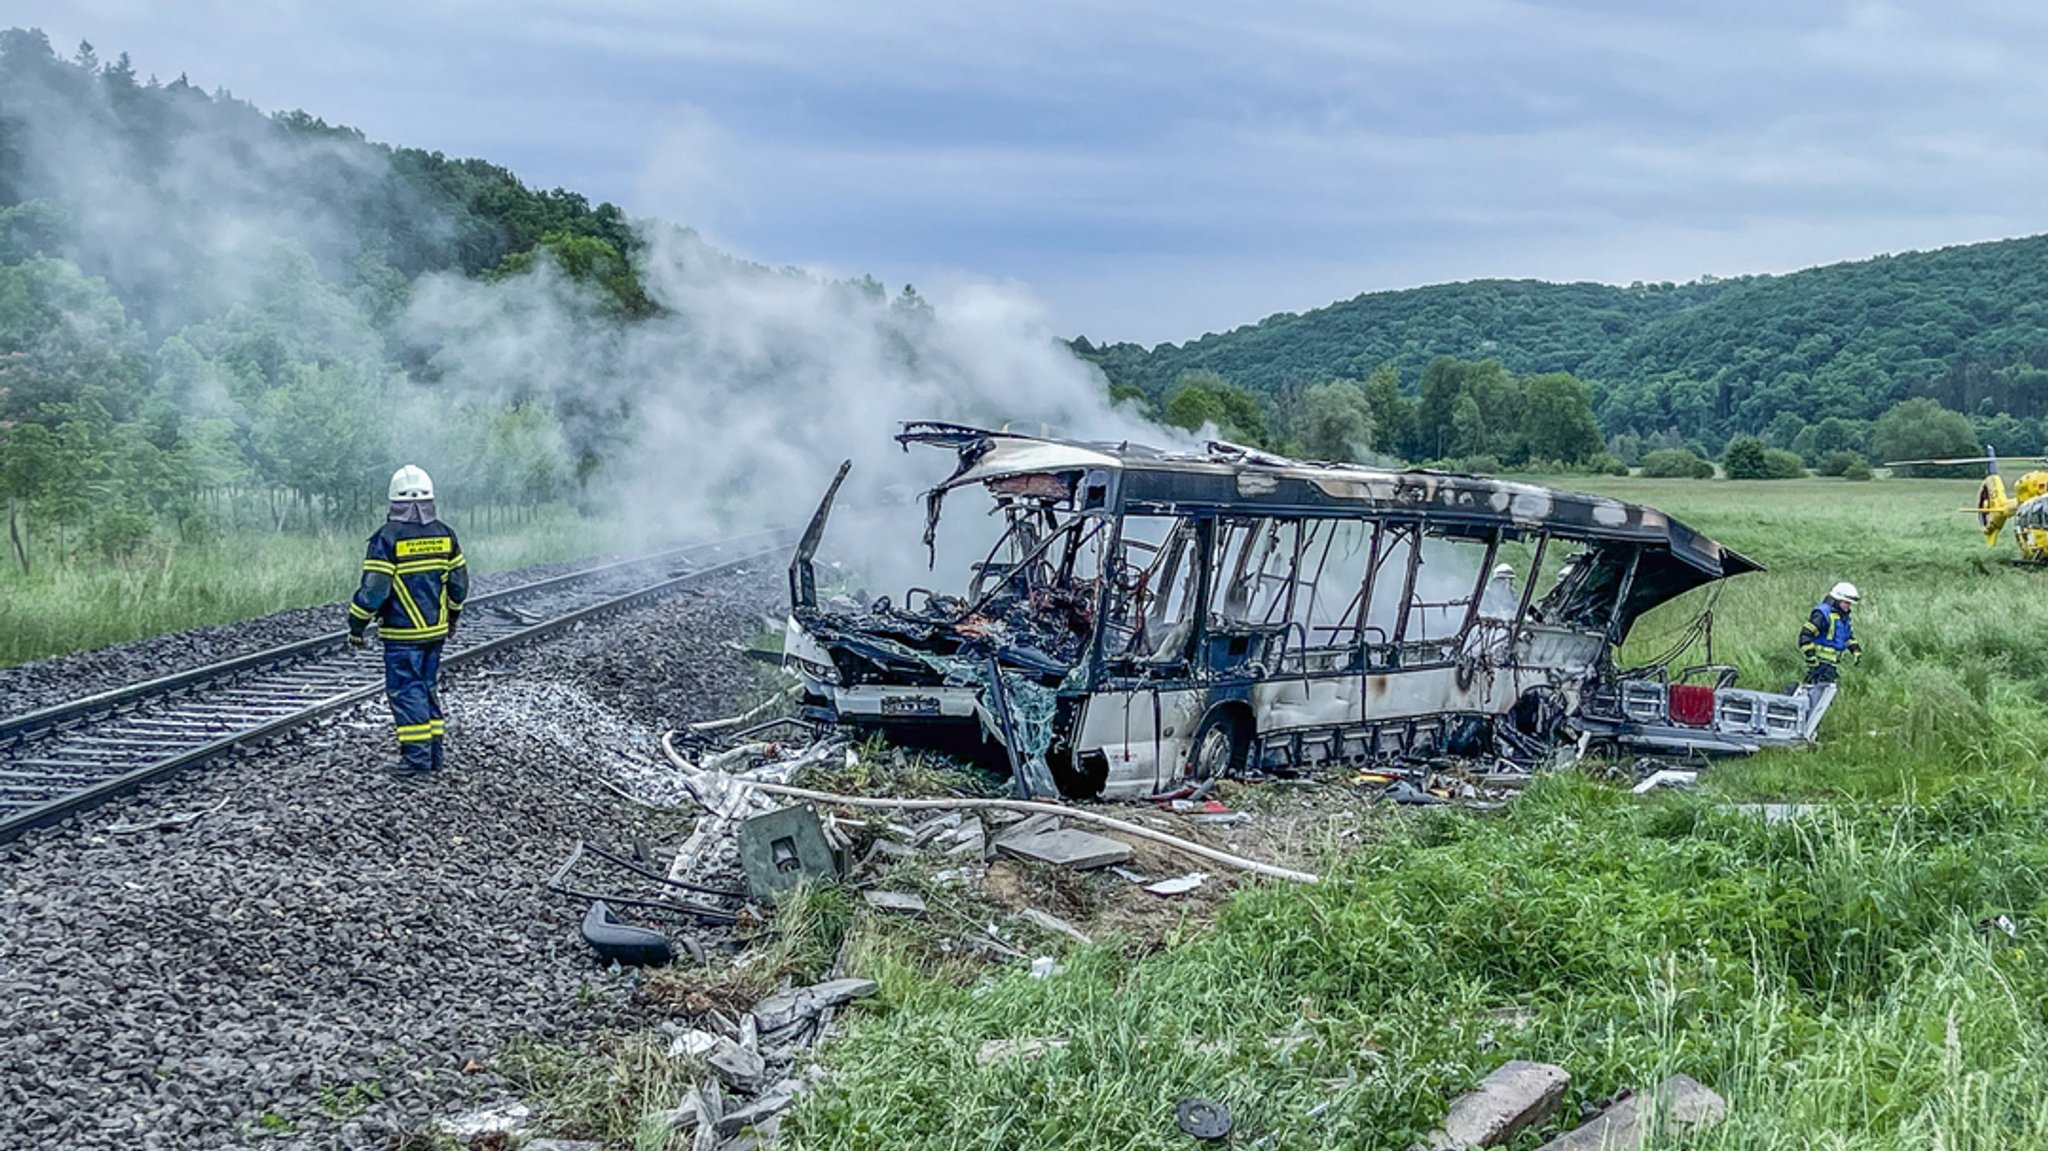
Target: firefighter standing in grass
1826	636
414	582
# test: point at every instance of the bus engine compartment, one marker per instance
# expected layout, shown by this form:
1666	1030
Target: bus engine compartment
1150	617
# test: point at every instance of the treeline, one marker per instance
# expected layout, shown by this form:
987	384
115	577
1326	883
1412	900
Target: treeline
1469	416
201	314
1698	364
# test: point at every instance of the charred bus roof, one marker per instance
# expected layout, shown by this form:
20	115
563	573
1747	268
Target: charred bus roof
1668	558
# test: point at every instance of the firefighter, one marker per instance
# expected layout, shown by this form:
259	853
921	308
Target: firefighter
1827	636
414	582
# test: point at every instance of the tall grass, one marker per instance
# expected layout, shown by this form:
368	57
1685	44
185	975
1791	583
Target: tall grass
169	586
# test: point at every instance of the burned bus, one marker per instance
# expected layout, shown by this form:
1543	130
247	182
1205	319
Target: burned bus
1149	616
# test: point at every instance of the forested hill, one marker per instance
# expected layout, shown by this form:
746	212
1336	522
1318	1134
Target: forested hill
1966	326
1528	325
161	188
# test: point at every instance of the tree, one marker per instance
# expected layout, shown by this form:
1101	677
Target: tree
1334	422
65	339
1204	398
1393	414
599	263
1745	460
1919	428
1557	419
1676	463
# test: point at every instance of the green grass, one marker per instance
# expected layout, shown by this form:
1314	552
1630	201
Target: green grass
1823	974
89	603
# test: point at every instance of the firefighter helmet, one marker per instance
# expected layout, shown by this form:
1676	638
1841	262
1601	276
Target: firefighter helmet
412	482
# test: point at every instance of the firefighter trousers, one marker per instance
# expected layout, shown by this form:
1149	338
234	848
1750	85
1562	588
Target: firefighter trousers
410	674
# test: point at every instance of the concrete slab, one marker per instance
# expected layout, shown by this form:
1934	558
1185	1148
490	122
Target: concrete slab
1066	847
1054	924
1514	1097
786	1007
1687	1104
899	902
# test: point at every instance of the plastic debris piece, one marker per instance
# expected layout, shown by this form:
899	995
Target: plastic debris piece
1666	777
1202	1118
622	942
1179	885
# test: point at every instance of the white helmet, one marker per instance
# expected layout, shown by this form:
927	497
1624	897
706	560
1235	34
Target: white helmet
1504	571
412	482
1844	592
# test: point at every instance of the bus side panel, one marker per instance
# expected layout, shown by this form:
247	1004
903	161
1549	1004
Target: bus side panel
1286	704
1143	734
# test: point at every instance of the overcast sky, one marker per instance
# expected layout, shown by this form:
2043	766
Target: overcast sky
1154	170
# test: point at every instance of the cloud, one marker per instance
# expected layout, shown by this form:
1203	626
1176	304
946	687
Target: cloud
1216	161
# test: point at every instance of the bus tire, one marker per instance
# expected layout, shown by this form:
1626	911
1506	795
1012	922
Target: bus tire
1221	745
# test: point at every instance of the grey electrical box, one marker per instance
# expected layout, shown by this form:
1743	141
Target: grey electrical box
784	848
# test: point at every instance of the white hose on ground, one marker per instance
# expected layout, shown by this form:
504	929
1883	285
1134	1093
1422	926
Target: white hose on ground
1209	853
736	720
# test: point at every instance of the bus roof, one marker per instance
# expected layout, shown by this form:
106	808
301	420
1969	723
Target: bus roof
1227	478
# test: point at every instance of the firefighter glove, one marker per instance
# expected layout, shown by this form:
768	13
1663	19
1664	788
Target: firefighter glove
358	639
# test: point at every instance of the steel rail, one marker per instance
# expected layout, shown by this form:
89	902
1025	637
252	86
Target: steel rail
322	665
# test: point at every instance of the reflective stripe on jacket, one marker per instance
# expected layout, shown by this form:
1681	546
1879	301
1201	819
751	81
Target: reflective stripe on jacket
414	581
1827	634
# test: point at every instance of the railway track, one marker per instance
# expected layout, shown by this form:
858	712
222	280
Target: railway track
64	759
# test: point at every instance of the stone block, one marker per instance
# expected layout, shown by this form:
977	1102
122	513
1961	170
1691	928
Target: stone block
1516	1096
1066	847
798	1003
899	902
1687	1105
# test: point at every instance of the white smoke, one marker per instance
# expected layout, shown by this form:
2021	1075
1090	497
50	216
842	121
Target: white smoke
752	385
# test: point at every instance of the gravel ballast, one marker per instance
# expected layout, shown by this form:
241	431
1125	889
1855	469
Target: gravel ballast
328	956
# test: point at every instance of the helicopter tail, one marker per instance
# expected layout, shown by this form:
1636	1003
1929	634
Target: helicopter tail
1994	506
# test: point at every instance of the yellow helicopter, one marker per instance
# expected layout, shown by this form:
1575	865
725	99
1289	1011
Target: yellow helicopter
2025	507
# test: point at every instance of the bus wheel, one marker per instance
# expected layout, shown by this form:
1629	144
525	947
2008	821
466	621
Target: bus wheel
1222	745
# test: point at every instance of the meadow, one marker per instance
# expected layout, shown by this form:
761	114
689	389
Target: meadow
168	585
1826	974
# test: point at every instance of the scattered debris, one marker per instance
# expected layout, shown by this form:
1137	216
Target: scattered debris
622	942
1204	1119
798	1004
693	1044
1178	886
1043	967
1666	777
1054	924
782	849
498	1119
1065	847
2001	923
741	1068
1512	1098
1685	1103
898	902
1776	812
727	795
1004	1050
177	821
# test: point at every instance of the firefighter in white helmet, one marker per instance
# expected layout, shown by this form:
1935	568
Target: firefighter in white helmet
1827	635
414	582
